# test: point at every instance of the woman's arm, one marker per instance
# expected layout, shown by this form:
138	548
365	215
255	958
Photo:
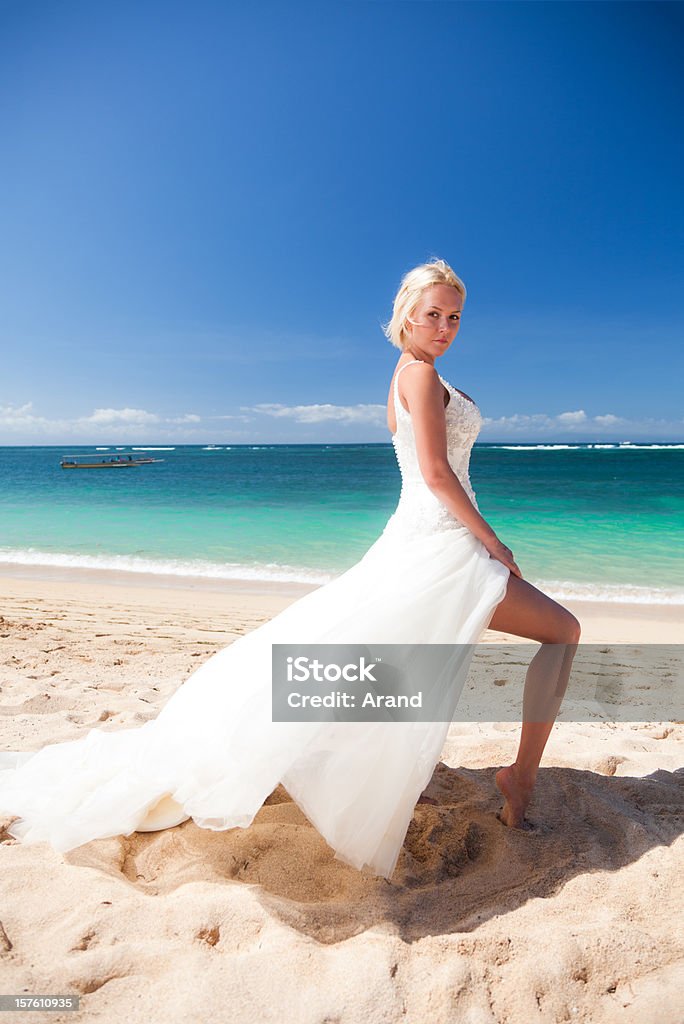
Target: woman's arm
424	394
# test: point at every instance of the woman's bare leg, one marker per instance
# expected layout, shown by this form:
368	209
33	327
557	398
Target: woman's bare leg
527	612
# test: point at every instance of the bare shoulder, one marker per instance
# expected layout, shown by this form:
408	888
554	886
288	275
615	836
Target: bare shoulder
419	384
418	381
416	376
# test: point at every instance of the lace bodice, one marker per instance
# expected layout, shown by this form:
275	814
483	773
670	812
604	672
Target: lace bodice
419	510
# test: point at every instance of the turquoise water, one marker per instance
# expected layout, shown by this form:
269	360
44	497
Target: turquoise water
583	521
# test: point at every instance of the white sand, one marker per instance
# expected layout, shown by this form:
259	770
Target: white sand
575	921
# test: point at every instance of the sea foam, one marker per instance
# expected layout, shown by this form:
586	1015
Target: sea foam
274	572
268	572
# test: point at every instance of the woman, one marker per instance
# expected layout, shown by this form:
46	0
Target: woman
426	319
437	575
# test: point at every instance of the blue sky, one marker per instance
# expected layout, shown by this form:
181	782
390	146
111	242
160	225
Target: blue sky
206	210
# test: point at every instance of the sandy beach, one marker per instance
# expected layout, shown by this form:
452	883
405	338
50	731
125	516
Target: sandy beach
575	921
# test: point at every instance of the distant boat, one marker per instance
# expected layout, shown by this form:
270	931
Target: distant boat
104	462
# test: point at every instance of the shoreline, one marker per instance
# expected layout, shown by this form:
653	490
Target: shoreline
566	593
148	580
224	599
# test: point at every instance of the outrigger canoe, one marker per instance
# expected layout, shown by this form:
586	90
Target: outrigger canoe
104	462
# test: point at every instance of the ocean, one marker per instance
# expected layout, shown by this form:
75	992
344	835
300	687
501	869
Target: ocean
589	522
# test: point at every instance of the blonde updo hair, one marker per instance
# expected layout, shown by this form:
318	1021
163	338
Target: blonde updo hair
412	286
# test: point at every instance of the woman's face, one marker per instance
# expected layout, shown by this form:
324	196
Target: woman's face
434	323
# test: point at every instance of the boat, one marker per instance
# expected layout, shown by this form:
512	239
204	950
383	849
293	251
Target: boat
124	461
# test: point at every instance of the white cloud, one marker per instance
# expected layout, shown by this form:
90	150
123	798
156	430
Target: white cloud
189	417
345	414
107	417
20	423
101	422
19	416
608	420
542	425
572	417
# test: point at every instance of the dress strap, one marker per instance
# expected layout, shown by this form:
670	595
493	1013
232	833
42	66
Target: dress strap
396	376
399	409
408	364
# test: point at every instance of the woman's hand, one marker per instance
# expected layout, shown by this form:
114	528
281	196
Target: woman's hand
502	554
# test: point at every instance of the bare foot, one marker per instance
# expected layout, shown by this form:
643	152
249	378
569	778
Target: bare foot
517	791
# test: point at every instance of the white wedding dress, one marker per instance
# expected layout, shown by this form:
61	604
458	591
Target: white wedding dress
214	753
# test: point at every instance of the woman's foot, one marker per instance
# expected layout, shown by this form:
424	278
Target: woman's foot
516	787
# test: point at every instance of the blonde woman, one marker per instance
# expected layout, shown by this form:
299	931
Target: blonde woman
437	425
437	575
